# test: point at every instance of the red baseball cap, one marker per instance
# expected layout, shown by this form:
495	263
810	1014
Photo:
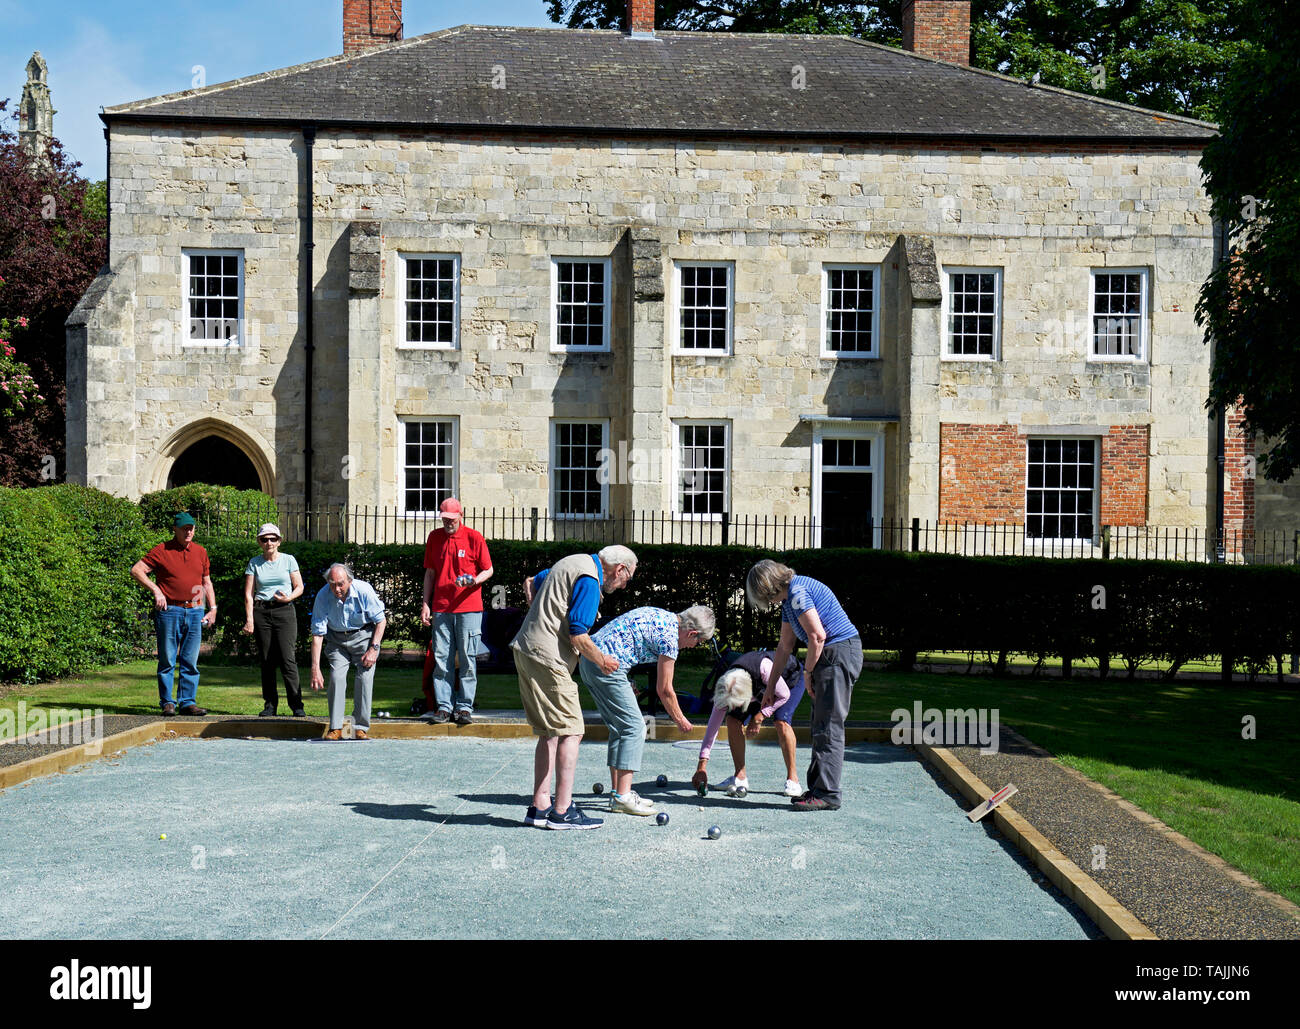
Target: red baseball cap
450	506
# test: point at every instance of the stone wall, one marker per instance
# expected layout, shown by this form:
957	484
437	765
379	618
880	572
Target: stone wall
506	206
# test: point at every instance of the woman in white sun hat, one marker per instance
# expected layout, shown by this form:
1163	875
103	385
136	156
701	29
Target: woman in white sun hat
272	583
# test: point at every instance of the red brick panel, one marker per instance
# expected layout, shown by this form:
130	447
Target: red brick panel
370	23
1238	476
981	474
938	29
1124	468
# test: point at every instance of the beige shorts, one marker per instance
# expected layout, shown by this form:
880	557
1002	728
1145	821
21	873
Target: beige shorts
550	698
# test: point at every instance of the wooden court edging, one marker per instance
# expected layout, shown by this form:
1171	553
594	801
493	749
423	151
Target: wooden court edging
85	753
1115	920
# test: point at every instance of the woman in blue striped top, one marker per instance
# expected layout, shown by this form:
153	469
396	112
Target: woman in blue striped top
811	614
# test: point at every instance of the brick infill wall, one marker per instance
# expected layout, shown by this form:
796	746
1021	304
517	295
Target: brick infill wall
1238	482
982	474
1125	451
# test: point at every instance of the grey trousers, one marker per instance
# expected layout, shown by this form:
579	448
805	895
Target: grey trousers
837	670
343	650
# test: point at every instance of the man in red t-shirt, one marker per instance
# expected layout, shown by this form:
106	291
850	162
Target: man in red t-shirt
184	582
456	564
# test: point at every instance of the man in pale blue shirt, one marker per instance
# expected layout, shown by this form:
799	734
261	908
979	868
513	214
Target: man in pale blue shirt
347	623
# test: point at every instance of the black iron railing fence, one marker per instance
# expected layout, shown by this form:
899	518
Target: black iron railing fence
361	524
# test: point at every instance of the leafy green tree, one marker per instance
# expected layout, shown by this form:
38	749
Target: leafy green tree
1167	55
1252	173
96	202
810	16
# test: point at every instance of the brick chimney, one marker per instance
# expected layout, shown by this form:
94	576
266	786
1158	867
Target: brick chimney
370	23
641	17
938	29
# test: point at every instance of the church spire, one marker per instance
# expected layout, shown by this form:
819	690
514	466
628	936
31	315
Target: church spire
35	112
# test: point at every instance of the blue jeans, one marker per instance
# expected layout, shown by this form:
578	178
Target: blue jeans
180	630
464	631
616	701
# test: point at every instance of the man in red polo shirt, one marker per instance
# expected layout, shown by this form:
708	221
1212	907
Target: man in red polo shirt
184	582
456	564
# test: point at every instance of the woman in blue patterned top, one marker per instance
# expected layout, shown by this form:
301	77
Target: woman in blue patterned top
642	636
811	614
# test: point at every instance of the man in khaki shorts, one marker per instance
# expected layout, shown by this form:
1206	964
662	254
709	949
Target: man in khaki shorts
564	603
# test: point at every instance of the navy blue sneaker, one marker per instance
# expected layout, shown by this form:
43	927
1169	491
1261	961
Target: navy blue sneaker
538	818
572	819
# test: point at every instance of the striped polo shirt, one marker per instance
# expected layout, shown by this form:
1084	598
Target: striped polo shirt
810	595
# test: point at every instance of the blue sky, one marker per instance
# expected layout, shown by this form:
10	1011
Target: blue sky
105	52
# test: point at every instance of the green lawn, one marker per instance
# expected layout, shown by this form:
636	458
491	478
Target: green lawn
1174	749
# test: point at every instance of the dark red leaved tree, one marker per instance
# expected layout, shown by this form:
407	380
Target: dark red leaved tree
52	244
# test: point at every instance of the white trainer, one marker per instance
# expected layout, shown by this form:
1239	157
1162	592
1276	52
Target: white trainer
731	784
793	789
630	803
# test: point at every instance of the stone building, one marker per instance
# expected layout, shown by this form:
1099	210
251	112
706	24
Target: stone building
600	272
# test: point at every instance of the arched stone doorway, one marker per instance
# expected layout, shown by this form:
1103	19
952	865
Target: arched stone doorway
215	461
215	452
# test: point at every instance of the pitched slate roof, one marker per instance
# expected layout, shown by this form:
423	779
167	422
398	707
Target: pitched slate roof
679	84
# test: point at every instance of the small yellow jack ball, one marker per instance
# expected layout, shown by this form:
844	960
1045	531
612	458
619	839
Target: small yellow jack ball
162	836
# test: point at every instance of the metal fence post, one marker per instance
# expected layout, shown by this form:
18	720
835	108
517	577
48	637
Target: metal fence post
532	518
726	527
1105	542
916	534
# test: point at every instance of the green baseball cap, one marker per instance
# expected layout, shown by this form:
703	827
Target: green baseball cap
184	518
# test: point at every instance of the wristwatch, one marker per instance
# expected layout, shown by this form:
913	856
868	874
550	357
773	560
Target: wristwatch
373	646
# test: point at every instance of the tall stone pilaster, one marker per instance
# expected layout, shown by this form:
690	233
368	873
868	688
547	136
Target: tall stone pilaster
101	374
368	397
647	424
919	340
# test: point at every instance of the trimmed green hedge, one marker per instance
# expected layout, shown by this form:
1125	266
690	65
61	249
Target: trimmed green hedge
1126	612
237	512
1133	612
69	602
68	598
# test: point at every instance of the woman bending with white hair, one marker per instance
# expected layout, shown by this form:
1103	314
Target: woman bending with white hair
739	698
643	635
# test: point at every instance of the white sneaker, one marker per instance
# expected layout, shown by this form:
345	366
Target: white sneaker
630	803
793	789
731	784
